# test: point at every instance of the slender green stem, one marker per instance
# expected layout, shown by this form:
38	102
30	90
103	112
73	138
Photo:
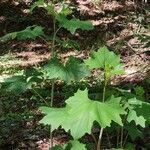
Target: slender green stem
104	91
52	92
122	134
53	80
121	138
125	139
54	37
102	129
100	139
118	137
40	97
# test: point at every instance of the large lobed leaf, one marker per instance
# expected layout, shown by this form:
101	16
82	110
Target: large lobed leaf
60	14
73	24
16	84
73	70
139	120
105	59
20	83
31	32
144	110
81	112
139	111
76	145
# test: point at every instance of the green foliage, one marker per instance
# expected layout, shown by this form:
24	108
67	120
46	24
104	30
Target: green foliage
72	145
80	113
31	32
73	70
39	3
139	120
139	91
60	15
76	145
73	24
57	147
144	110
133	131
106	60
141	109
21	83
67	44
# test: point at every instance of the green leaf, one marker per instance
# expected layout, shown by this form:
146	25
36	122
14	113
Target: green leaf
69	44
73	24
73	70
54	116
139	91
64	10
47	6
133	131
81	112
86	110
16	84
39	3
9	36
139	120
144	110
72	145
31	32
107	60
129	146
57	147
76	145
134	102
141	108
21	83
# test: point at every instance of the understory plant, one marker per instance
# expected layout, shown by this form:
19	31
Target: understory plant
80	112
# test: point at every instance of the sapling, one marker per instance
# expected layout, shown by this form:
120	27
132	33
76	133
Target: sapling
80	111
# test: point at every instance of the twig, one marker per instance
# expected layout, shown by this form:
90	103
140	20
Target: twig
40	97
93	136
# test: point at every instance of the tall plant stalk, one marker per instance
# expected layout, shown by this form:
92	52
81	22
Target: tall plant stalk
121	138
53	80
104	93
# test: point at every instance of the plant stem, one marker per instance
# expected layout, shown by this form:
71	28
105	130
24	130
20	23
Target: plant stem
52	92
121	138
118	137
104	93
1	106
125	139
53	80
93	136
122	134
100	139
40	97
